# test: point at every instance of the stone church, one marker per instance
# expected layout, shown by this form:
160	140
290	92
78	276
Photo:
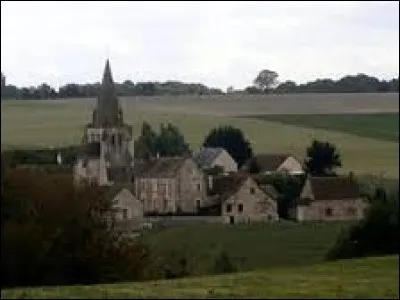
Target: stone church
106	157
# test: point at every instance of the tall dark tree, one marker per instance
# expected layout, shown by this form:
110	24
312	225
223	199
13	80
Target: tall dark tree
232	140
266	80
171	141
146	144
322	159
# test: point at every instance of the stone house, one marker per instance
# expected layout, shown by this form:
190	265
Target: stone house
209	157
329	199
273	163
242	200
170	185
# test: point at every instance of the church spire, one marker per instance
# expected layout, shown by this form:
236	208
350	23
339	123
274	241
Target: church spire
107	112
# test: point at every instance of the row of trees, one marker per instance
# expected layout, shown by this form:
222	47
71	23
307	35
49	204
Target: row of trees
265	82
127	88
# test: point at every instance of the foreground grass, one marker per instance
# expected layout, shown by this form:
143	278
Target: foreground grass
249	247
56	123
376	277
382	126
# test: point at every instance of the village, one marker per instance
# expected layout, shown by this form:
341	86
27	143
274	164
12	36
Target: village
186	190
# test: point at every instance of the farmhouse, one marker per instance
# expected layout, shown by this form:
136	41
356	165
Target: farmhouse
273	163
242	200
170	185
208	158
328	199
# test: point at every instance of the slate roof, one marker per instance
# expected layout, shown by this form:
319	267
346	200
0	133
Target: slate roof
162	167
267	162
228	185
206	156
334	188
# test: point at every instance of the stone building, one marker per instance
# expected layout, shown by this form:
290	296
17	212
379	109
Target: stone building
329	199
105	150
170	185
242	200
208	158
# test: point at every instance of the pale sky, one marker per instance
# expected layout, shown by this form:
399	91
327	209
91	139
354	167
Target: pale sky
216	43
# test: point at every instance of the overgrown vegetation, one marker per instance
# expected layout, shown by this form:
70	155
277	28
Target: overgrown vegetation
377	233
54	233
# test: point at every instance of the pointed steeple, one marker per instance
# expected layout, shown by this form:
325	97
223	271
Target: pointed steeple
108	111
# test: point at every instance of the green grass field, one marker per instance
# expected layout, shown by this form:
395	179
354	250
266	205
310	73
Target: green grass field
250	247
376	277
383	126
54	123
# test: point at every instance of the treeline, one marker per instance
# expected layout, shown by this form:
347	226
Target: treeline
359	83
127	88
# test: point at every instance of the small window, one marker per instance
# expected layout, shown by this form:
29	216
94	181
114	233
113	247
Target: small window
125	214
252	190
240	207
113	140
198	204
328	212
231	220
228	208
351	211
198	186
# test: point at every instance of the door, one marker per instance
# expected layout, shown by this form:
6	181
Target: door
231	220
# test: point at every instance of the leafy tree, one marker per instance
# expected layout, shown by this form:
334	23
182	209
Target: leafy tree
266	80
3	80
322	159
232	140
53	232
146	144
171	142
376	234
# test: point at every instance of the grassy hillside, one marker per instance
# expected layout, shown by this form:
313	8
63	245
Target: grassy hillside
359	278
45	123
384	126
250	247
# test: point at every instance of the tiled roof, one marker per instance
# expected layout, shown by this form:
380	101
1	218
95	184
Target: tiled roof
267	162
159	168
334	188
206	156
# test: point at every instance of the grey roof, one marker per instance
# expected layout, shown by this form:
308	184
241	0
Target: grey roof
206	156
107	112
162	167
267	162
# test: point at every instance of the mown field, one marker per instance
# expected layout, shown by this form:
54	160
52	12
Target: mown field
376	277
381	126
249	247
56	123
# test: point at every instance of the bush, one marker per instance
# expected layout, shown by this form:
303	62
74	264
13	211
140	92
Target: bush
376	234
55	233
223	264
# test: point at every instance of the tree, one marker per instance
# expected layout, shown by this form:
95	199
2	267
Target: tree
3	80
376	234
322	159
232	140
171	141
146	144
266	80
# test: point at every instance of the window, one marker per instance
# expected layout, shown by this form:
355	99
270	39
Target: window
113	140
351	211
228	208
198	186
328	212
198	204
252	190
124	214
240	207
231	220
